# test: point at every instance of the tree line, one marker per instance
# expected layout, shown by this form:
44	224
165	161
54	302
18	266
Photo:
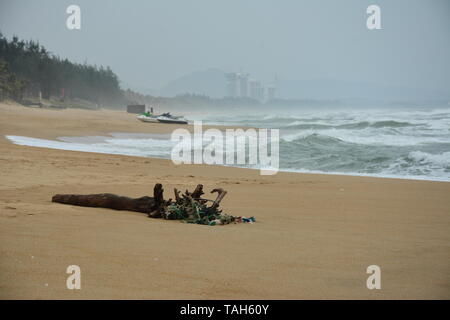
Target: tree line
27	69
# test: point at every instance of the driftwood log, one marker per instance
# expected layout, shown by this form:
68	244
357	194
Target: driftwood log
111	201
153	206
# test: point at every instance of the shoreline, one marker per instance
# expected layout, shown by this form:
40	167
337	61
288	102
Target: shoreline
151	135
314	236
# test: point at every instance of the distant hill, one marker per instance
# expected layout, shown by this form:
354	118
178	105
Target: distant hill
210	82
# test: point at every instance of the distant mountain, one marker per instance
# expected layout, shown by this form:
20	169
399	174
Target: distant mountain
209	82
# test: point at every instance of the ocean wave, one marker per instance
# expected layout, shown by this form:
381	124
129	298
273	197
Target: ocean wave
139	143
312	153
422	164
110	146
366	137
310	137
381	174
441	160
356	125
308	126
385	143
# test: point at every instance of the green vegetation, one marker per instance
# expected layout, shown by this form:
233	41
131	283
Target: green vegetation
10	86
27	69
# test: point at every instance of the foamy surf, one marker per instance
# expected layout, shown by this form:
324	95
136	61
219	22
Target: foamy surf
413	144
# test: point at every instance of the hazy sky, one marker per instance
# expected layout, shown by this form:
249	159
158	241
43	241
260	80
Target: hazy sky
148	43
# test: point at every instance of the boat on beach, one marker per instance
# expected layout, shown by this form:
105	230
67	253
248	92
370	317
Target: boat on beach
163	118
179	120
145	118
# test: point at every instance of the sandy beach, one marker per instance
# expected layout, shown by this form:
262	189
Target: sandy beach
314	238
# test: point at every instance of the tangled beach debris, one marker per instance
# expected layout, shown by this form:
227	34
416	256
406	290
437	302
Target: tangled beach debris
189	207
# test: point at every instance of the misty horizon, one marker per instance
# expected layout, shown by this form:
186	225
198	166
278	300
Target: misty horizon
317	50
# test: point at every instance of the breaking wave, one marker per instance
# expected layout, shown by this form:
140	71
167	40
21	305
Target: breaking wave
413	144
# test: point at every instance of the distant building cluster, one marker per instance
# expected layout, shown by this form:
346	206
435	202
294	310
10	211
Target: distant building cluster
240	85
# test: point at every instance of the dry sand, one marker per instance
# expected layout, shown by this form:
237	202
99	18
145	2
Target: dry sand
314	238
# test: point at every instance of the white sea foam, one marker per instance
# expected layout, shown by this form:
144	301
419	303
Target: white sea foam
441	160
367	137
412	144
130	147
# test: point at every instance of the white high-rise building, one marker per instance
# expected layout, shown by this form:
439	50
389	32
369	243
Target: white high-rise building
240	85
270	92
231	84
256	90
243	84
